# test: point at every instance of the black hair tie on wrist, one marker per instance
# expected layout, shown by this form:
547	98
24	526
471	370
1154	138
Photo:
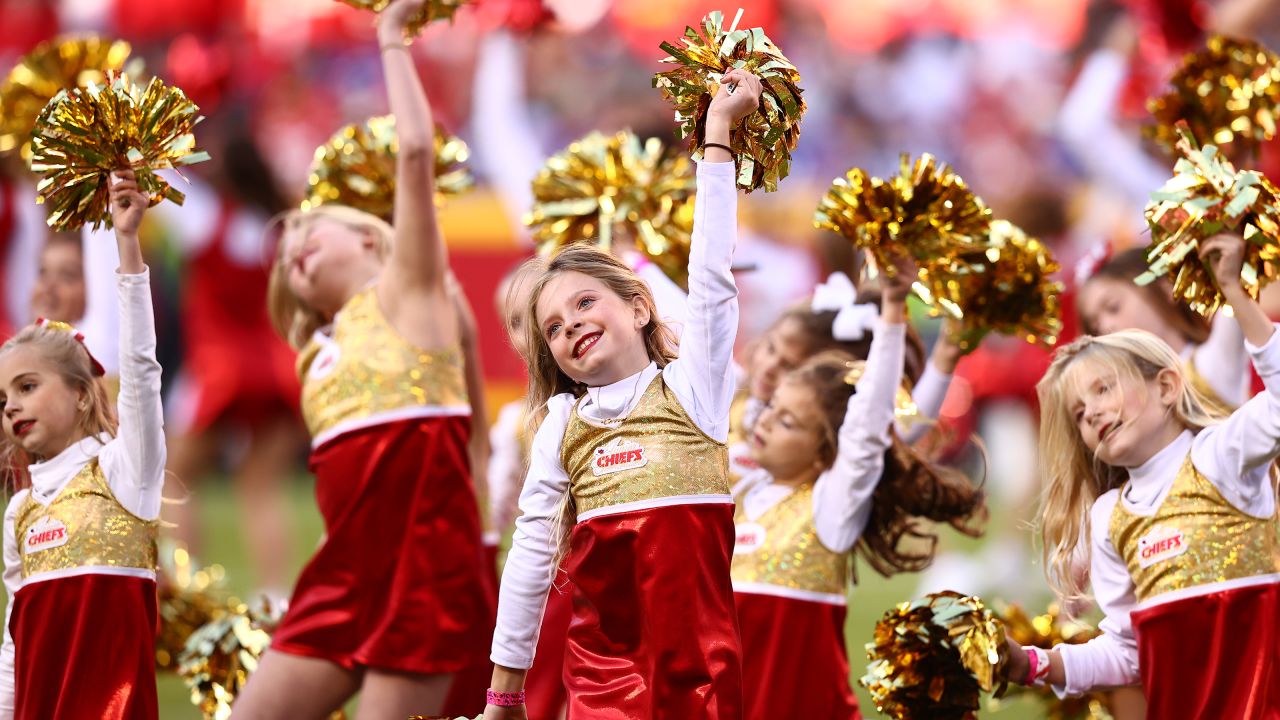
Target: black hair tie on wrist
725	148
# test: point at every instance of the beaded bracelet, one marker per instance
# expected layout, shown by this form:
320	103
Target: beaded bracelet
504	699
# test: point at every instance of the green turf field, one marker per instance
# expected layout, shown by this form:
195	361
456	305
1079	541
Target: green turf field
224	546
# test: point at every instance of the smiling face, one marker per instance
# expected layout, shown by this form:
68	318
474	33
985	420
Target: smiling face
1122	418
789	437
595	336
41	410
59	291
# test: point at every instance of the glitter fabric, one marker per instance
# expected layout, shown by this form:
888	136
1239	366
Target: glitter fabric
604	463
83	526
1195	538
789	554
367	369
738	417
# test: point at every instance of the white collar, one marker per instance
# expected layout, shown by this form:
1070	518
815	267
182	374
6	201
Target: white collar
49	477
614	400
1150	481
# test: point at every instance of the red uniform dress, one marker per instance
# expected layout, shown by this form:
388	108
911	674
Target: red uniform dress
1207	581
790	591
653	635
84	619
397	583
235	366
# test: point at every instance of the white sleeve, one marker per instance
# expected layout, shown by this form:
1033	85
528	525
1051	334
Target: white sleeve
133	463
1111	659
1087	124
842	494
1222	361
507	149
701	377
526	577
12	581
101	322
1236	455
672	302
929	394
504	467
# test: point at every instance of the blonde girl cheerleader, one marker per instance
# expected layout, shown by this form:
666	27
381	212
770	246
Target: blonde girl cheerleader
393	601
80	540
832	479
1179	510
629	463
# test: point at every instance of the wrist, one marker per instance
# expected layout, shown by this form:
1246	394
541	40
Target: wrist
717	129
504	699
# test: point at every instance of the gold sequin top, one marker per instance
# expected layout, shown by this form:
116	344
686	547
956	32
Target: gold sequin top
655	452
365	374
1195	538
84	526
780	549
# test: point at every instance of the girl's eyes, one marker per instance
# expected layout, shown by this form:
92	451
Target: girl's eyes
27	386
553	329
585	303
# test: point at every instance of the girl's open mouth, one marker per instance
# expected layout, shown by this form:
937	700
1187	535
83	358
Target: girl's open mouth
22	427
587	342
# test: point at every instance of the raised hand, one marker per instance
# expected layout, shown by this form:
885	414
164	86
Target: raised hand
738	97
395	18
127	203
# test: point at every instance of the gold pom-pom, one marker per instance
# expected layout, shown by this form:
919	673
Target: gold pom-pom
357	167
762	142
606	189
1226	93
85	133
1047	630
1005	285
221	655
930	658
1207	196
53	66
190	596
431	11
925	212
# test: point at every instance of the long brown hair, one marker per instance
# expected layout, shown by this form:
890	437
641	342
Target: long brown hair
70	359
546	379
1126	266
911	490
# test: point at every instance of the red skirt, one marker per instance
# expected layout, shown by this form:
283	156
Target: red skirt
84	647
794	662
243	375
653	633
1212	656
467	691
397	583
545	681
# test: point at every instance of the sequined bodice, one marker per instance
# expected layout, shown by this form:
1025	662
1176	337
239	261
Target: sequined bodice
83	526
1194	538
781	548
365	371
655	452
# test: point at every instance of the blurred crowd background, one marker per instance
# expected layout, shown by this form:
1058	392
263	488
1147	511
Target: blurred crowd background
1036	103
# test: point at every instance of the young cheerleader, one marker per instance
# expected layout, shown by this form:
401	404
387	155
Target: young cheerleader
833	478
393	601
1109	300
629	459
80	541
1179	509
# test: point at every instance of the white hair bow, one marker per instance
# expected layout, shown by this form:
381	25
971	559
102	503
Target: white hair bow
838	294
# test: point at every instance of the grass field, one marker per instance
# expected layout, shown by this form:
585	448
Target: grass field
224	545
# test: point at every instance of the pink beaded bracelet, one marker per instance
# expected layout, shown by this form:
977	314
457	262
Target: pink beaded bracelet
504	699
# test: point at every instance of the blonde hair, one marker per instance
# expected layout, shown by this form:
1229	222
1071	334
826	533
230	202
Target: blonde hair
70	359
293	319
1074	477
546	379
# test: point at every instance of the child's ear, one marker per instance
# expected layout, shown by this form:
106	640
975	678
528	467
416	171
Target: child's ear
642	314
1170	385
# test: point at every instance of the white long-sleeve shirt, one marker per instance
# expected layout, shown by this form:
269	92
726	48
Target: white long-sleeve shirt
1235	456
132	462
1221	360
700	378
101	321
842	494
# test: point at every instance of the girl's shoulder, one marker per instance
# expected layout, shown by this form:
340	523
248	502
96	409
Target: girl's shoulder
15	502
1100	513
